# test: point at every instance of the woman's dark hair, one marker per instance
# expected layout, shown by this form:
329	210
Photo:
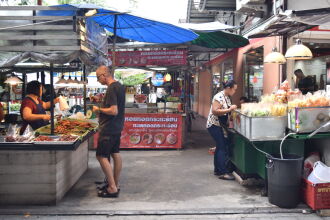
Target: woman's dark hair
229	84
33	87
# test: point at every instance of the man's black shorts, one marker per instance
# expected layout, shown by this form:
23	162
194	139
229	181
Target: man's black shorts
108	145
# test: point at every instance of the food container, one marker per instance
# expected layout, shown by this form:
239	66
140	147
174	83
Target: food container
308	119
57	140
260	128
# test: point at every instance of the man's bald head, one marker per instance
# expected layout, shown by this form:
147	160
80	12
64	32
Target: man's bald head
103	70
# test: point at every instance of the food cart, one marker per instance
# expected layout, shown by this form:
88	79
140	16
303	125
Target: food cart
264	125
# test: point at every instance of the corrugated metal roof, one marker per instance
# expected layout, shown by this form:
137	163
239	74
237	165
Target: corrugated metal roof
201	11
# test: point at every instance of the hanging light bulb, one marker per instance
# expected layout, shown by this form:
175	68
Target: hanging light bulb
62	80
76	81
13	80
275	57
168	77
298	52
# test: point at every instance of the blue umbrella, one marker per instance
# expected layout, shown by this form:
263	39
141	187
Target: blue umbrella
140	29
128	26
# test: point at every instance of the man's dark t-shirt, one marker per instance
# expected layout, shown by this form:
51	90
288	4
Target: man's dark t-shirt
109	124
306	85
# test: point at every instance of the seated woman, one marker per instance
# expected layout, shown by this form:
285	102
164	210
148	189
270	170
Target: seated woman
33	108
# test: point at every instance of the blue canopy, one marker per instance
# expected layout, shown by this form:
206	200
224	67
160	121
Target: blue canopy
130	26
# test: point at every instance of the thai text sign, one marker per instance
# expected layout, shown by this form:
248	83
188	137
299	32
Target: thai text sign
152	131
155	57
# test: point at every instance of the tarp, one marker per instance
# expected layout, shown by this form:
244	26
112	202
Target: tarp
220	39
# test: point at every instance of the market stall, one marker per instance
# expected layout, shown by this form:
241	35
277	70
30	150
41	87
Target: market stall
280	123
155	99
40	167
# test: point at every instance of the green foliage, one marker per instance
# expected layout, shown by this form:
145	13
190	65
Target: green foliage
131	80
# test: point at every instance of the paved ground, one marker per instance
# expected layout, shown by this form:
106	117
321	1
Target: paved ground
162	185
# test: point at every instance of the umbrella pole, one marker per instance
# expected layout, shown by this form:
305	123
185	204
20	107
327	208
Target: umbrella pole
114	45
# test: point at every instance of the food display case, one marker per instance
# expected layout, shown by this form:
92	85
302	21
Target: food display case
260	128
308	119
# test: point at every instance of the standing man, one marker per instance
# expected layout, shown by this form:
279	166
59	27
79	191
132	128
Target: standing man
111	123
304	83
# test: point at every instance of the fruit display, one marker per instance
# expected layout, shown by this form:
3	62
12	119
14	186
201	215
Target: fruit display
282	95
263	110
15	107
309	101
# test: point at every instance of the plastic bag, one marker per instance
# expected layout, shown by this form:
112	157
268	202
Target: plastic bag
320	174
11	133
63	104
27	135
309	163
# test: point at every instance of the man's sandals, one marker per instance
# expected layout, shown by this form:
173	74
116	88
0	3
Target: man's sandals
105	194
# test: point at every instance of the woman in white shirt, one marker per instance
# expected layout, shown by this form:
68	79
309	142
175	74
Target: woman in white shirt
217	119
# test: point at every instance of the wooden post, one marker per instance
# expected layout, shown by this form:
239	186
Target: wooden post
51	99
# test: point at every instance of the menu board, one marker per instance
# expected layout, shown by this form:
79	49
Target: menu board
152	131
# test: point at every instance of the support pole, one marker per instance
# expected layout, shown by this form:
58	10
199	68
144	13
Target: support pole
23	85
51	100
114	45
85	90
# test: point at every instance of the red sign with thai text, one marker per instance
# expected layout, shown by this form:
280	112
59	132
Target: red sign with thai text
154	57
152	131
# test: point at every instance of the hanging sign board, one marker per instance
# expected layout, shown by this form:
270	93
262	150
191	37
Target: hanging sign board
151	58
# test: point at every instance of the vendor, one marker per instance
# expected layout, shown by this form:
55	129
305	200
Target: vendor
33	108
304	83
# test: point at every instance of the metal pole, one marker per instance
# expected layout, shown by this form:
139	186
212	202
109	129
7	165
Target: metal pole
24	85
85	90
114	45
51	100
43	77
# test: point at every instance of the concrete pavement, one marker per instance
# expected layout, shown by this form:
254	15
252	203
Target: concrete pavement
165	184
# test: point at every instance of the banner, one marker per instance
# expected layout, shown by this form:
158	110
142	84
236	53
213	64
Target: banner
152	131
155	58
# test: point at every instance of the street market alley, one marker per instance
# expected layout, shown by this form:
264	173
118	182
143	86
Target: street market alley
177	182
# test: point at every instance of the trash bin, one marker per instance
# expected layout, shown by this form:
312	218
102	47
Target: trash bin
284	179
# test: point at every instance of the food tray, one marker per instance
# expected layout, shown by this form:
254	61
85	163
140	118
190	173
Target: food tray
308	119
55	141
260	128
3	140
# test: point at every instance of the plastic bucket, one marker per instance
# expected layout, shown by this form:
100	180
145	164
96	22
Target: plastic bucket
284	179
